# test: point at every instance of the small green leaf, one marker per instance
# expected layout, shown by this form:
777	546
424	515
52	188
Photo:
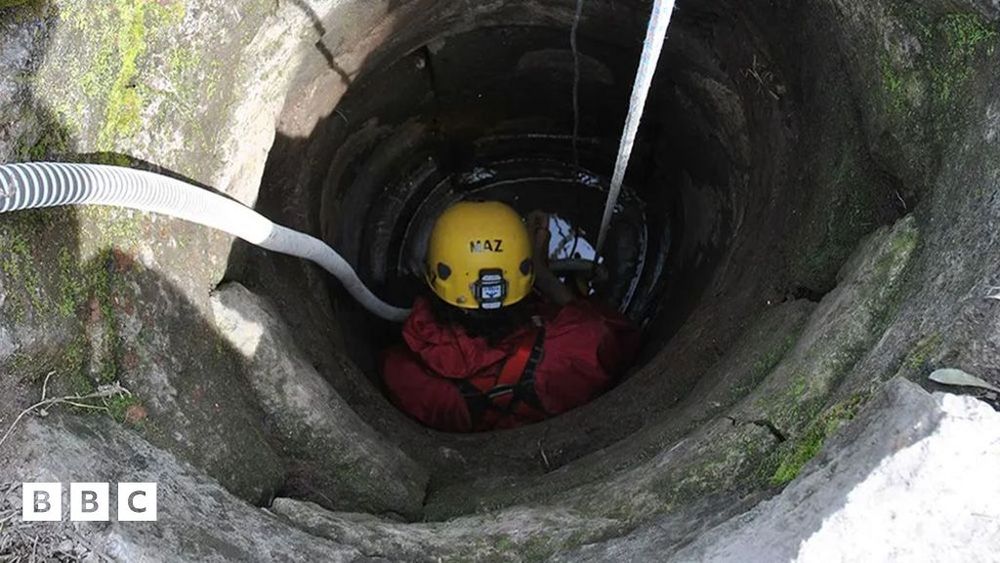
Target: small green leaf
959	377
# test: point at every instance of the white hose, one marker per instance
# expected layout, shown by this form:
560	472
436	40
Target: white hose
43	184
659	21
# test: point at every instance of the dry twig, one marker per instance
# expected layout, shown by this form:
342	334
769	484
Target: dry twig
764	78
103	392
545	458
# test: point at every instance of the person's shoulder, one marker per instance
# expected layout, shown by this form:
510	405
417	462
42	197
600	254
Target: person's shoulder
420	304
420	313
399	359
577	309
397	353
587	314
575	316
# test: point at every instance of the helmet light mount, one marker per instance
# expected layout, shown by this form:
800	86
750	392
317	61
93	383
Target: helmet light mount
490	289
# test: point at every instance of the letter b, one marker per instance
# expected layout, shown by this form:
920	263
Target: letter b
89	502
41	502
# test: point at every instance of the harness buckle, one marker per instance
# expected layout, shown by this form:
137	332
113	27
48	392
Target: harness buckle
500	390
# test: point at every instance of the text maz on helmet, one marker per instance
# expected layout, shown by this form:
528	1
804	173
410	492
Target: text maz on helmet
488	245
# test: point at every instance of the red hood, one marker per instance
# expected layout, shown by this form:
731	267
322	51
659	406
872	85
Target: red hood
447	350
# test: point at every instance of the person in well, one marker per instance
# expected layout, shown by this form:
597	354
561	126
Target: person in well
499	341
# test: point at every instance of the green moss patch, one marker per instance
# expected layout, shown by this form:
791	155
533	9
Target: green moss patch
124	408
963	37
54	140
846	207
762	365
22	258
952	46
895	86
805	447
916	361
47	285
965	33
111	78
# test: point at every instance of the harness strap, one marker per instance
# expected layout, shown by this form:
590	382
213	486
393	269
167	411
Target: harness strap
513	369
526	387
475	400
515	382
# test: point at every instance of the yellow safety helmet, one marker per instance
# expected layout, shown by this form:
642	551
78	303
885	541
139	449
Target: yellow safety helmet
479	256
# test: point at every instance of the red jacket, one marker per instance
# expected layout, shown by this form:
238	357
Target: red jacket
585	347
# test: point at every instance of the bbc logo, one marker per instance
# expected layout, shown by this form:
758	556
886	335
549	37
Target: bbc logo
88	502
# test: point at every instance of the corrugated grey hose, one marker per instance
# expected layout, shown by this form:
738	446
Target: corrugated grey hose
43	184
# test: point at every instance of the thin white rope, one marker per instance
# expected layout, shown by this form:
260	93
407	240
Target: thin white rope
576	80
659	21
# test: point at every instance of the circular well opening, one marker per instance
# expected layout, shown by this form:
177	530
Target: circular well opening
455	103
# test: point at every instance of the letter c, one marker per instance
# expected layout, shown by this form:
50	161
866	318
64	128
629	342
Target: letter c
131	499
